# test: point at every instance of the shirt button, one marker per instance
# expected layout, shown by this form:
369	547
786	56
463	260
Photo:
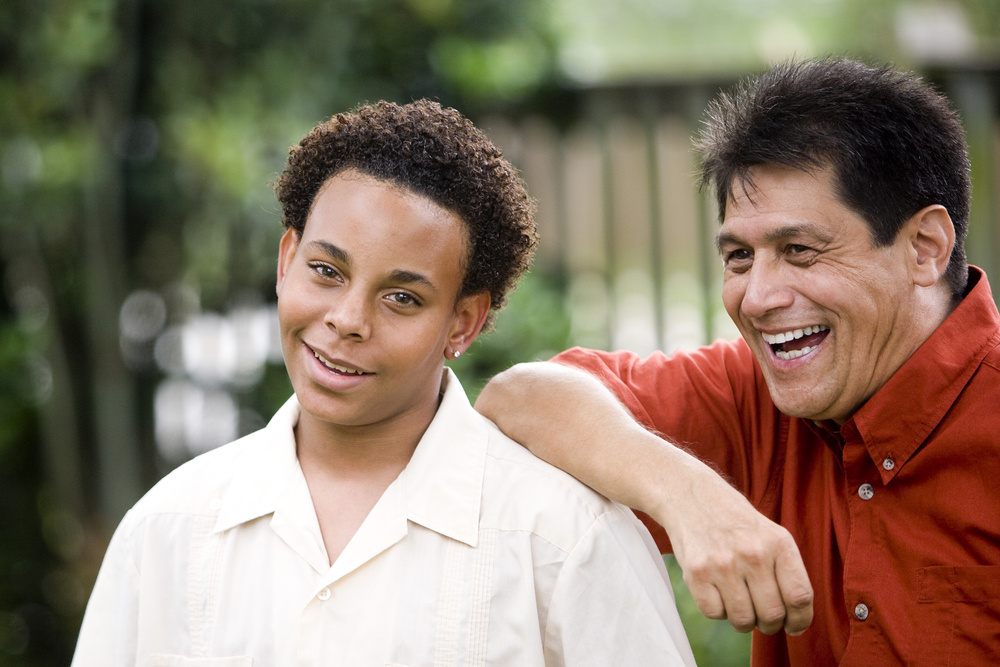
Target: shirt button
324	594
888	464
866	491
215	504
861	611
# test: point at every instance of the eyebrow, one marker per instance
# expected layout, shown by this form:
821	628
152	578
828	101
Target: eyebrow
398	276
410	278
334	252
787	231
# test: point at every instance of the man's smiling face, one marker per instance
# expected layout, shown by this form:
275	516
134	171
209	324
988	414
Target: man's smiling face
827	314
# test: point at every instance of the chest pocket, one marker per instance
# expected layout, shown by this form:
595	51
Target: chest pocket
963	616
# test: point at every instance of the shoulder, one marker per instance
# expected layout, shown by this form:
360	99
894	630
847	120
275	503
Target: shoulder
189	488
992	359
723	372
732	355
523	493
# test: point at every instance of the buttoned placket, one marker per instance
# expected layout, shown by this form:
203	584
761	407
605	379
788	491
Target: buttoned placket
384	527
864	486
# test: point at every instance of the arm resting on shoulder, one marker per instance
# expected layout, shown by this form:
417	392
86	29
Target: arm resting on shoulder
738	564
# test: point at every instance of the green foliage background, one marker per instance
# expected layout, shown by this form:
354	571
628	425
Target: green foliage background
138	139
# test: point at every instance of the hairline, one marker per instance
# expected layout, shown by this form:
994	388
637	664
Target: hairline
352	171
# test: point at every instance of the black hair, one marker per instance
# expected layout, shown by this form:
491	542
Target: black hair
894	144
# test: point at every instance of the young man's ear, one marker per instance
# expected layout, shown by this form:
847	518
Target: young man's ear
931	235
286	252
470	316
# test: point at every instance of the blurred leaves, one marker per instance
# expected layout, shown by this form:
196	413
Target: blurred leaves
534	326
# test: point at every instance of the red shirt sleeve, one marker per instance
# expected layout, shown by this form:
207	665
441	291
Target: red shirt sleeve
712	401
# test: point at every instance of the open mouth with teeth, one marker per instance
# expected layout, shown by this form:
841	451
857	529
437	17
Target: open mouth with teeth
336	368
795	343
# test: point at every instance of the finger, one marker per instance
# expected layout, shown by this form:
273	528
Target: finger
739	607
796	591
768	604
708	599
722	594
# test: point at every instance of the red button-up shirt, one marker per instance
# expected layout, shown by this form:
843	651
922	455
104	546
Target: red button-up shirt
897	514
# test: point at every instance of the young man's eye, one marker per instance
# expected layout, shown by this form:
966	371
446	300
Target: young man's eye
403	299
325	270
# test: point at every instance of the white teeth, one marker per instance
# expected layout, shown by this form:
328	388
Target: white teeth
777	339
335	367
794	354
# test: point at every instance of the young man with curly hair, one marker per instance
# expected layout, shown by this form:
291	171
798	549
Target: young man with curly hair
378	519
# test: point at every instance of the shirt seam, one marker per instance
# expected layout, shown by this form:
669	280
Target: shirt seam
562	483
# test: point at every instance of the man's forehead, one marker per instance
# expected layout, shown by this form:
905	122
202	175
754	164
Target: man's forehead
763	179
775	187
778	203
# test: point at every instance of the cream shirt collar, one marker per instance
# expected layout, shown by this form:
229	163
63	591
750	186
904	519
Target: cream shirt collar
440	488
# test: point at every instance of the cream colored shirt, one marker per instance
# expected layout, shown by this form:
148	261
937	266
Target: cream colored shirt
477	554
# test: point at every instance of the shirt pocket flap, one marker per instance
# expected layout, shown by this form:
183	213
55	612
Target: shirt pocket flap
977	583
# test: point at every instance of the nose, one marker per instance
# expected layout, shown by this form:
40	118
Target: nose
349	314
768	288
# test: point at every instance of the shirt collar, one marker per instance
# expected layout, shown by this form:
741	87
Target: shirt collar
442	483
444	479
897	420
264	470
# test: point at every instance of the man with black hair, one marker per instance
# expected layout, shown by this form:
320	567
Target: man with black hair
856	418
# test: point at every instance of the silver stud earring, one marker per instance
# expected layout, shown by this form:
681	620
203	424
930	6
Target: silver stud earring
458	353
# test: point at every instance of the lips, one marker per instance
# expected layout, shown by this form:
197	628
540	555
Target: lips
337	368
795	343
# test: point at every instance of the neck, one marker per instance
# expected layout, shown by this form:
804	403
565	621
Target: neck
934	304
927	311
354	452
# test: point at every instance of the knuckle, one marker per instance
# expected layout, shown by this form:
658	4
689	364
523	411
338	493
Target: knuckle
800	599
771	617
701	570
742	623
754	555
714	613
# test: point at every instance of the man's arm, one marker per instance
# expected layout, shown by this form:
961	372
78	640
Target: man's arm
738	564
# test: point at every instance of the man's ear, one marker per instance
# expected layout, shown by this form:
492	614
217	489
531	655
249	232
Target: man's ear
286	252
470	316
931	235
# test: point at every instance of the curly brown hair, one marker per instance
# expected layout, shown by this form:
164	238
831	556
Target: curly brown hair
435	152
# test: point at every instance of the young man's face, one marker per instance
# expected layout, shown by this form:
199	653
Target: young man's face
798	263
367	303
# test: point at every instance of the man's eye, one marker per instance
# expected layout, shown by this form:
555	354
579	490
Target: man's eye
800	253
736	259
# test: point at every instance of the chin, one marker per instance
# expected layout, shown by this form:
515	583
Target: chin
797	408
